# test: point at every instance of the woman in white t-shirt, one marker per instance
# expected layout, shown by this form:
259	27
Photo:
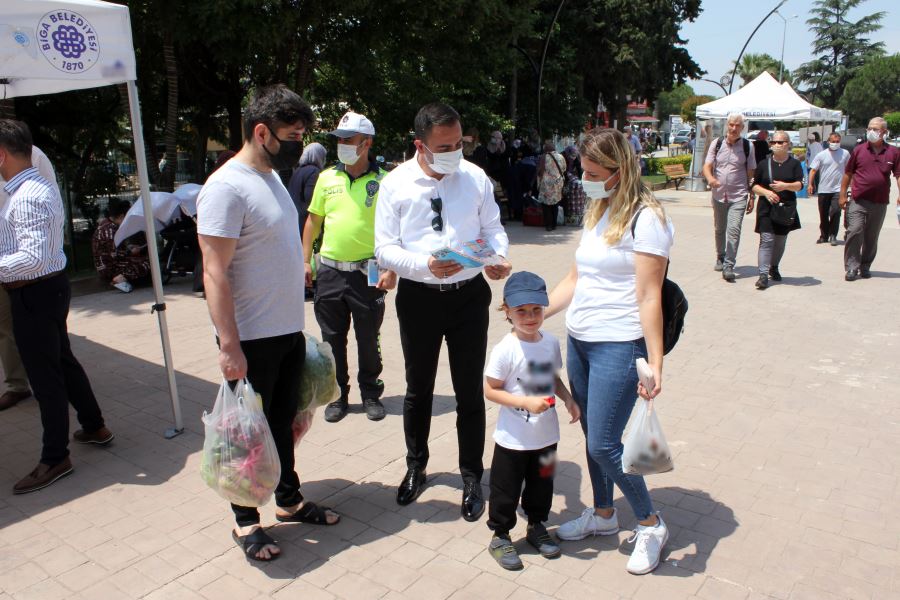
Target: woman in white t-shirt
614	316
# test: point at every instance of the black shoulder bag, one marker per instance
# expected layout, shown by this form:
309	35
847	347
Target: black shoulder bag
674	303
782	213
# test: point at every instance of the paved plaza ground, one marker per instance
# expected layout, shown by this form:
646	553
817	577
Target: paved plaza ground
781	408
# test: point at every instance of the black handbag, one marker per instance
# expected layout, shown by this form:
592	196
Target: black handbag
782	213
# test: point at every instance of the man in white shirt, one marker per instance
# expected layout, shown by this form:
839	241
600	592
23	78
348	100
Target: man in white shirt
829	165
434	200
16	378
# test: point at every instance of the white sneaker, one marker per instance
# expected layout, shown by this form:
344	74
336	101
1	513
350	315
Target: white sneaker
648	545
588	524
123	286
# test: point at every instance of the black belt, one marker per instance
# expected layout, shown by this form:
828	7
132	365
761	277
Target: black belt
442	287
14	285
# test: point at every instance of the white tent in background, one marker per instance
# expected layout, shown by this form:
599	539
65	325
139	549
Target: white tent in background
765	99
50	46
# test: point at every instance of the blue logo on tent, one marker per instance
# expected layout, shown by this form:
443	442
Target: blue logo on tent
68	41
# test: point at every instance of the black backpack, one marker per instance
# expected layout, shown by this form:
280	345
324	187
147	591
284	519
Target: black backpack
674	303
745	144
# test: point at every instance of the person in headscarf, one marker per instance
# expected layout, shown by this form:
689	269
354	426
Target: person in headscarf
304	179
124	266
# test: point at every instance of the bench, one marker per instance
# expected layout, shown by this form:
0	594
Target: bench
675	173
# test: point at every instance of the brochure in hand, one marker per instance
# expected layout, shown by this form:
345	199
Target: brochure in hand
474	254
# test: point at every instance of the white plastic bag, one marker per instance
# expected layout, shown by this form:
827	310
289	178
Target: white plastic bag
240	461
646	451
318	379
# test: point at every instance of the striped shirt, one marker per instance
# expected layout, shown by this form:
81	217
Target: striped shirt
31	229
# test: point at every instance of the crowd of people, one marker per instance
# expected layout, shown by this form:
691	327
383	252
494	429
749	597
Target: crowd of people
363	232
858	182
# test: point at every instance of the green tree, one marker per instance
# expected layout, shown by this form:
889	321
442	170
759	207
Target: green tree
893	122
689	106
669	102
841	47
873	91
752	66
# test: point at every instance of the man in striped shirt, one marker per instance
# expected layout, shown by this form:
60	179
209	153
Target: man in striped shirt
32	264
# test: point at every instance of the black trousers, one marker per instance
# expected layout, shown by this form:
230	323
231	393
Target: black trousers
829	215
550	212
509	470
427	317
39	313
273	369
341	295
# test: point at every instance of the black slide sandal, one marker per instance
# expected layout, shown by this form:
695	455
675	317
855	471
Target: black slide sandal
311	513
253	543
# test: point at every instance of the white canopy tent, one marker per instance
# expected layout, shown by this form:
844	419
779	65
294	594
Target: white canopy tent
50	46
765	99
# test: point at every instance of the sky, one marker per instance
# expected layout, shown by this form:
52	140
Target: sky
716	37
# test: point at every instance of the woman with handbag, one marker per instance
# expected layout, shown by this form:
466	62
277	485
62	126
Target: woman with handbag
777	181
551	170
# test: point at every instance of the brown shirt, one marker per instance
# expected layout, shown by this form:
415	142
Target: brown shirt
871	171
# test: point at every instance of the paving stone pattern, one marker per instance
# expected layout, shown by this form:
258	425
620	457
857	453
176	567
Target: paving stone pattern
780	406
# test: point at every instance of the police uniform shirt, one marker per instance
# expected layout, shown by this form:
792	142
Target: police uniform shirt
347	207
404	235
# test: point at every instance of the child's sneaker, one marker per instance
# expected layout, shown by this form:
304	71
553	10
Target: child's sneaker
538	537
503	551
588	524
648	545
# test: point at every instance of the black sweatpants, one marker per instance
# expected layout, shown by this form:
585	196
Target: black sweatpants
829	215
341	295
273	369
39	313
509	470
427	317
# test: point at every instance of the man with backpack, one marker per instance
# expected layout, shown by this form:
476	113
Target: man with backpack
729	167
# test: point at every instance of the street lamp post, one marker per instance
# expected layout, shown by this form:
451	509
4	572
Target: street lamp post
738	61
783	37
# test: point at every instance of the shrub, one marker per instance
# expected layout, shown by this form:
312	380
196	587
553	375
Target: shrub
655	165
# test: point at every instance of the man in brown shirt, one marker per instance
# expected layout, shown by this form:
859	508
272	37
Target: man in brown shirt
869	172
729	167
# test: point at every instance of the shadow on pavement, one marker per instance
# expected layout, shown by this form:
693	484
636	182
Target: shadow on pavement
133	395
393	405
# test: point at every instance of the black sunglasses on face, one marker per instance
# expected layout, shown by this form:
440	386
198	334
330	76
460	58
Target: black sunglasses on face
778	142
437	223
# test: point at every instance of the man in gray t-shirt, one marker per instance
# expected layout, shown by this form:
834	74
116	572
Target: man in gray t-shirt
254	279
829	165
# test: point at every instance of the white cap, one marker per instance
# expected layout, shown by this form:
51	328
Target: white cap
351	124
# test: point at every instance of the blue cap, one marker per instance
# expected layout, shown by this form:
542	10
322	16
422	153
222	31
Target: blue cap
525	288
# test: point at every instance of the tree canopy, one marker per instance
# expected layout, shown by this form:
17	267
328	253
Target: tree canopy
841	47
752	66
873	91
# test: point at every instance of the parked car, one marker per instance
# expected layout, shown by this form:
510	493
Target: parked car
682	136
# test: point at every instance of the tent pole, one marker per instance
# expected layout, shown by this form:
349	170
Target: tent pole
160	306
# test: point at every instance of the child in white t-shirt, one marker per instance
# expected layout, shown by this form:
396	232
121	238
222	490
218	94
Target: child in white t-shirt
521	376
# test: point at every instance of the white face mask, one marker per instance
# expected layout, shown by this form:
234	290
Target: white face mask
347	154
834	145
596	190
445	163
873	135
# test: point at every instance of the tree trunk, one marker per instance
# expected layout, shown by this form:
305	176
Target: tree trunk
201	137
233	106
170	137
152	164
513	93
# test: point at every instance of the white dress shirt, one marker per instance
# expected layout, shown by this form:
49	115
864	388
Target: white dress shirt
404	236
40	162
31	229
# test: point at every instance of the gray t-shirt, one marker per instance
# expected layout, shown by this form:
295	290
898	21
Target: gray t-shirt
266	274
830	165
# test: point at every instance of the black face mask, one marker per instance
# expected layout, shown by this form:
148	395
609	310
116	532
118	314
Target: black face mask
288	154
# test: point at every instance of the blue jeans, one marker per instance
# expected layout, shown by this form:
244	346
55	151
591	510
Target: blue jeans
603	381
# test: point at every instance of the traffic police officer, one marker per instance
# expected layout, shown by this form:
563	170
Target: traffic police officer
348	282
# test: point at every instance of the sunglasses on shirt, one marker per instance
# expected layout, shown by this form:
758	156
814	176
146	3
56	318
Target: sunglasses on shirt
437	223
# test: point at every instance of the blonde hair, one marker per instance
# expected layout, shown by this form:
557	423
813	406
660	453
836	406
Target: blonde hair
610	149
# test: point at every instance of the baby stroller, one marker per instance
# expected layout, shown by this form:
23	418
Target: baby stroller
180	249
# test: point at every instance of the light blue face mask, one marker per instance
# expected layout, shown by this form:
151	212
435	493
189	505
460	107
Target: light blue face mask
596	190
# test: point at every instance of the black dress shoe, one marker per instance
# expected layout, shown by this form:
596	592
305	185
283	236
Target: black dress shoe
472	502
774	273
410	487
336	410
865	274
851	275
